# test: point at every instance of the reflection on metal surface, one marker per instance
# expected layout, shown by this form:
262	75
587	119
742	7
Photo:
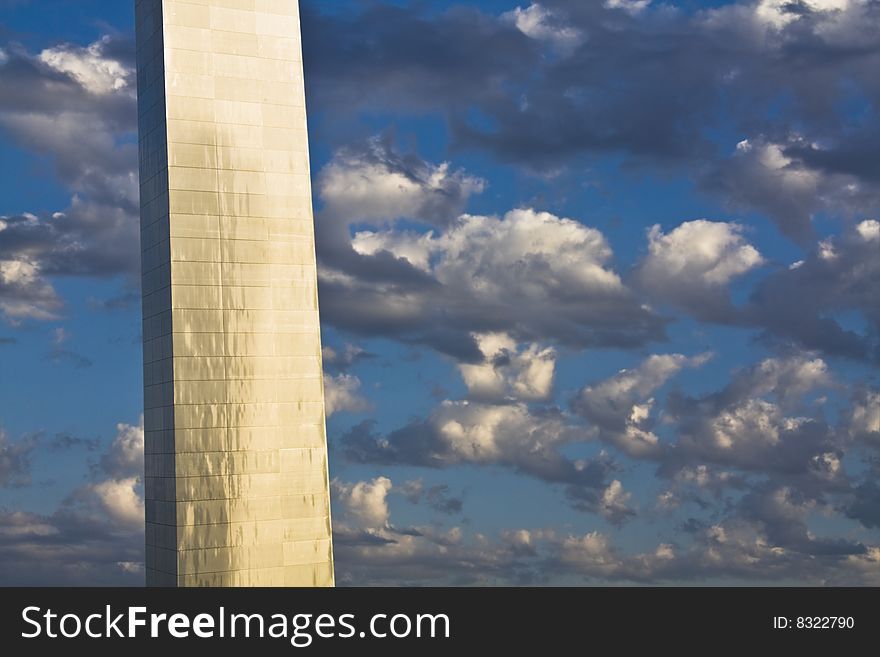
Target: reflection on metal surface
236	456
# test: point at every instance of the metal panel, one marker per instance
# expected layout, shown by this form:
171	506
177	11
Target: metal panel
236	460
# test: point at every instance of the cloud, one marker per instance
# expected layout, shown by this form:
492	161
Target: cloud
538	22
77	106
121	500
507	372
692	266
784	180
633	7
59	353
340	360
369	549
751	68
341	393
740	427
439	497
125	457
619	408
15	460
24	293
66	548
801	304
531	274
863	418
798	306
510	435
90	67
764	537
364	503
377	183
615	501
95	537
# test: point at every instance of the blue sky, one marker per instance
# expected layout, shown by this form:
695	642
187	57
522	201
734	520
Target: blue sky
598	284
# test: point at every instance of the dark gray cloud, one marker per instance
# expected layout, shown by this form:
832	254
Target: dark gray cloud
77	106
801	304
763	537
340	360
865	503
527	441
15	460
96	535
737	69
439	497
795	306
532	274
68	548
63	441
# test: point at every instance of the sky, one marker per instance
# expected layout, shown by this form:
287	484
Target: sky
598	280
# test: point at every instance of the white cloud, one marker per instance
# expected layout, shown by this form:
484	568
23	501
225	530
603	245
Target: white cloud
416	248
864	416
785	178
619	408
538	22
365	503
786	378
509	373
378	185
531	274
479	433
25	293
125	457
739	427
121	500
91	67
341	393
778	13
703	252
692	265
633	7
869	230
615	503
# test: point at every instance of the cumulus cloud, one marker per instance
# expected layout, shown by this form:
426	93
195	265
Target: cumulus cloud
509	435
763	536
377	183
121	500
91	67
77	106
125	456
749	425
507	372
783	179
342	393
364	503
692	266
619	408
633	7
801	304
863	421
531	274
733	64
615	503
538	22
24	292
67	548
95	537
